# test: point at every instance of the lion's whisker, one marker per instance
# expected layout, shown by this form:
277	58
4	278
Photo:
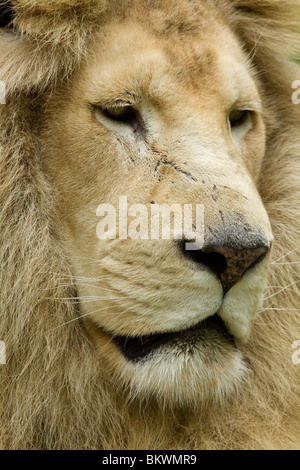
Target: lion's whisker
274	308
281	290
85	315
284	264
77	318
85	299
273	287
286	254
71	276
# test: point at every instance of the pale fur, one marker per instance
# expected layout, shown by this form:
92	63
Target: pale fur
55	393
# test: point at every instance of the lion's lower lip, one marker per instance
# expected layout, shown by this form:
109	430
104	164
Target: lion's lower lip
139	347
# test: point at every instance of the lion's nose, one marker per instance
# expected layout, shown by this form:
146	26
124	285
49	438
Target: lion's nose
227	262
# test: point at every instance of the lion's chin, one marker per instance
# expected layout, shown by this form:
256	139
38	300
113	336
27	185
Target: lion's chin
187	368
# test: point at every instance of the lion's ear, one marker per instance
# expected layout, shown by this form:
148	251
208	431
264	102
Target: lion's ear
42	39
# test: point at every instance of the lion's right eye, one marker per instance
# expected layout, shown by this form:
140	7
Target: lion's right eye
238	117
120	118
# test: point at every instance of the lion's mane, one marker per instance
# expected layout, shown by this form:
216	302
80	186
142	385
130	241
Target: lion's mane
54	392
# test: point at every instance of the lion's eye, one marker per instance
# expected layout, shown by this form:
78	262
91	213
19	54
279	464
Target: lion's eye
125	114
238	117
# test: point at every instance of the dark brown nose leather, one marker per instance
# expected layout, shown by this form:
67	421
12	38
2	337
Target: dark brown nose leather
237	262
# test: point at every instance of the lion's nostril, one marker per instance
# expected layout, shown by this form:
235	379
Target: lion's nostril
228	263
216	262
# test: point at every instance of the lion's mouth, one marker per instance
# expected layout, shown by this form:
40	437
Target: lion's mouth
140	347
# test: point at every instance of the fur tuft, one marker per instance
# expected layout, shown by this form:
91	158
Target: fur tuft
55	31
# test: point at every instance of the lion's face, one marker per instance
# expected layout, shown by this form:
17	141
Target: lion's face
164	119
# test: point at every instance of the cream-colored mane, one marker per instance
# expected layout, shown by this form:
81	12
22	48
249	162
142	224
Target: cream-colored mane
54	392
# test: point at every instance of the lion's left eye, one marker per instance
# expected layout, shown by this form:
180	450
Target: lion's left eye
125	114
238	117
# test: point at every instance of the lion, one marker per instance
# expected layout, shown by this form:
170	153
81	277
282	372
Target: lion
144	344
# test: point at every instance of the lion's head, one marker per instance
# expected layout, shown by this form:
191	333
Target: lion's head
170	103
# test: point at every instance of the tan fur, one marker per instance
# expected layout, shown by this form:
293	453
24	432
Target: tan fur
56	390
